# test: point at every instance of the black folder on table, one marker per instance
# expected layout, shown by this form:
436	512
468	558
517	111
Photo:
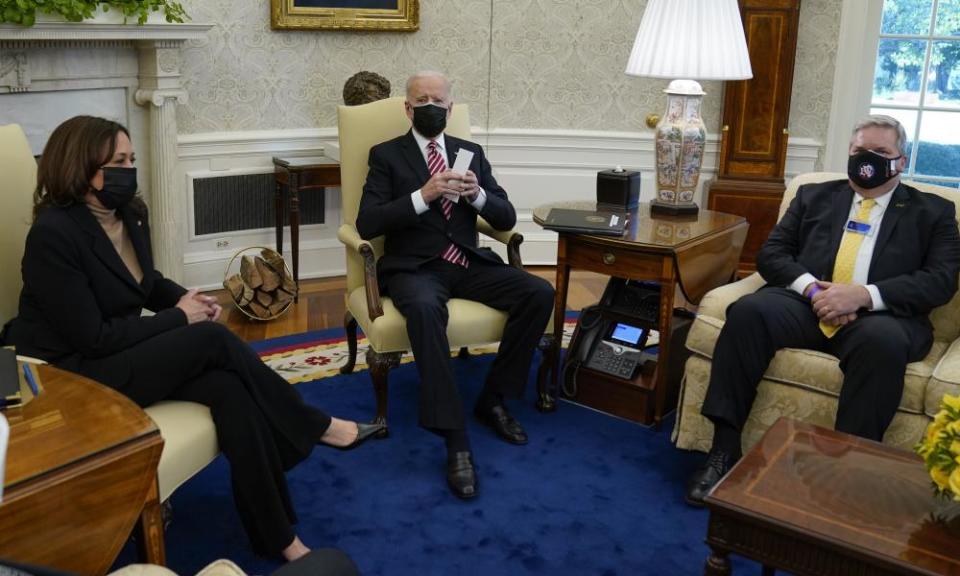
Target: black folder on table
586	221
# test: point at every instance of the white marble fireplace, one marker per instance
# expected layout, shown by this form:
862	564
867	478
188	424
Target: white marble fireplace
126	72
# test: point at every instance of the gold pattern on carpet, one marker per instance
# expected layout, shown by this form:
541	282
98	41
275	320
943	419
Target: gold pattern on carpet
321	360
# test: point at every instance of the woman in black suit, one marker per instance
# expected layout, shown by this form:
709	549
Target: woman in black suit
87	275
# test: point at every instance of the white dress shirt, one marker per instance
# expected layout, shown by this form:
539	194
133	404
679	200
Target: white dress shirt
419	205
861	268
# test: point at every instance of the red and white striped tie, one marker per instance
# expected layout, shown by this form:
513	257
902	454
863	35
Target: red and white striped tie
436	163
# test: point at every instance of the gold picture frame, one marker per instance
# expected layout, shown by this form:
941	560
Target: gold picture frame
361	15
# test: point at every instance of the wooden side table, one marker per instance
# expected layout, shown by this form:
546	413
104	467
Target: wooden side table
81	466
696	253
816	502
298	175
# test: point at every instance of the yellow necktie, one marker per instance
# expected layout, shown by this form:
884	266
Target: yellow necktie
847	256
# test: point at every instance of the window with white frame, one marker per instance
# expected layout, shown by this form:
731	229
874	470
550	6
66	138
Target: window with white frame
917	81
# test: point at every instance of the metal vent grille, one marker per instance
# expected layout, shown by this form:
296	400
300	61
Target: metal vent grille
230	203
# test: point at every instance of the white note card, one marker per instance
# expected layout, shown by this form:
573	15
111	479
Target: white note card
462	163
460	166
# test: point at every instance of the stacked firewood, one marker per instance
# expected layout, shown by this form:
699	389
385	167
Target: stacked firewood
264	287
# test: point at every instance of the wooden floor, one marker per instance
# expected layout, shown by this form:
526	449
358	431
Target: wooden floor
321	305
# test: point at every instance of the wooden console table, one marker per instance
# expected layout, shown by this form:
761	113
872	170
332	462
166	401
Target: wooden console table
696	253
299	175
813	501
81	464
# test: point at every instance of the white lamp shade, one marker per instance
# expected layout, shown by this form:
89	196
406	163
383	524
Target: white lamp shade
698	39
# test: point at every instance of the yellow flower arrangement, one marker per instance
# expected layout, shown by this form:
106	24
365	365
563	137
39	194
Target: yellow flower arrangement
940	448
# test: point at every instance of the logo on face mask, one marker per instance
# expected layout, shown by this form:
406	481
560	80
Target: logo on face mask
119	187
868	169
429	119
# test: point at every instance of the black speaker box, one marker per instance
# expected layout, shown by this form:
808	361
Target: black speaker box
618	190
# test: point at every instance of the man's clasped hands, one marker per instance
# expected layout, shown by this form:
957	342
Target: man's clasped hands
837	304
451	184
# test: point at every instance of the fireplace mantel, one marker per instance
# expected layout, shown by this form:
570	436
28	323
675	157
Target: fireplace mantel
98	32
49	58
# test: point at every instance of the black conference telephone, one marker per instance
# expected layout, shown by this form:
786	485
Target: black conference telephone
610	337
638	301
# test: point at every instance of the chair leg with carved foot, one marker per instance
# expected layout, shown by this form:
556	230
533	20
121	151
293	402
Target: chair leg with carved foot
350	327
546	394
380	365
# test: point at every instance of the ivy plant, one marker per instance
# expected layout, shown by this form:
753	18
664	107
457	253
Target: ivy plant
24	12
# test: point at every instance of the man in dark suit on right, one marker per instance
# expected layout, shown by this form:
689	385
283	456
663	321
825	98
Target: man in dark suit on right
852	269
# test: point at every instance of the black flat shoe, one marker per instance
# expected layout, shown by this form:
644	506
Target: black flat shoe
707	476
505	425
364	433
461	475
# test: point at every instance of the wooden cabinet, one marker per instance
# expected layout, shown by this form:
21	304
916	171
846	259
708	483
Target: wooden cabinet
756	113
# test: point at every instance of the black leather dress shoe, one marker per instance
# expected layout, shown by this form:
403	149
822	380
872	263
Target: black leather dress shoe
364	433
706	477
505	425
461	475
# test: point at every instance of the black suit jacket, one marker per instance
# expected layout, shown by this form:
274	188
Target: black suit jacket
397	168
916	258
79	302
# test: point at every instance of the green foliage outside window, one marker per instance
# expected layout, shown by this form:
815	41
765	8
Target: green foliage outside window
900	62
24	12
917	80
935	159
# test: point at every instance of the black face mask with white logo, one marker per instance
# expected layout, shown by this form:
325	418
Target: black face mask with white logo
868	169
119	187
429	120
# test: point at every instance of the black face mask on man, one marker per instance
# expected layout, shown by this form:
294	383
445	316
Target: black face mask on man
429	119
868	169
119	187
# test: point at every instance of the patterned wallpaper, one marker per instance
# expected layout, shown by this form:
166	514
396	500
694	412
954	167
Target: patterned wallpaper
539	64
817	40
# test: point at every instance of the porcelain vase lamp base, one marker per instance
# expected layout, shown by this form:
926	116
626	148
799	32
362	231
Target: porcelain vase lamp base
680	140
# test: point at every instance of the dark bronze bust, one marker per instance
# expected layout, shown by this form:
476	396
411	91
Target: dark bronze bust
365	87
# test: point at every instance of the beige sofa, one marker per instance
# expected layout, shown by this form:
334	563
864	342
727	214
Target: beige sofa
190	440
805	384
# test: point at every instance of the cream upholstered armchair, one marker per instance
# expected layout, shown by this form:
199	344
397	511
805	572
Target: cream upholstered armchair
16	207
360	128
190	439
805	384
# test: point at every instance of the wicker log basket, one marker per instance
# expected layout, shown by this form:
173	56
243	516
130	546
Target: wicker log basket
260	283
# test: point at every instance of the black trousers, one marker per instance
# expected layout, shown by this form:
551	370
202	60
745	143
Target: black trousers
263	425
874	351
422	299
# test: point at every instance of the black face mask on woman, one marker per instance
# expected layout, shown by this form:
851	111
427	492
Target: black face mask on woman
868	169
119	187
429	119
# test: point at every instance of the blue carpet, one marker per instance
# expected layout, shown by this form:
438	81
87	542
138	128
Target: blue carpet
589	495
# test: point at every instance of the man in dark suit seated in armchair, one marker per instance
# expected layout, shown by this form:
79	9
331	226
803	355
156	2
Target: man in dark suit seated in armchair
428	214
852	269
